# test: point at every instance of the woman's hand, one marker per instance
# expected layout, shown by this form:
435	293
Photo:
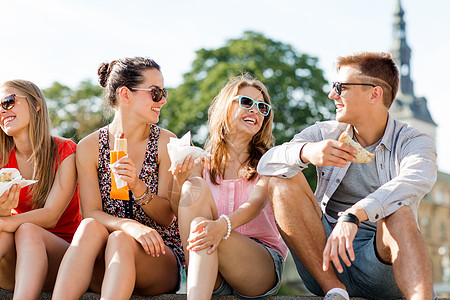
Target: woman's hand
9	200
207	234
182	171
149	238
126	170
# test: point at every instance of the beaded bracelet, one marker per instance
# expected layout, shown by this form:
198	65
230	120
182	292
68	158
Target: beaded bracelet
228	226
348	217
137	199
148	200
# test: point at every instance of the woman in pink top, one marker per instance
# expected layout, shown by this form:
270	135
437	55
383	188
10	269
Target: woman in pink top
227	229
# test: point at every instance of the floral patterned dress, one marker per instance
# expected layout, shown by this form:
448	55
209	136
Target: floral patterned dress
149	175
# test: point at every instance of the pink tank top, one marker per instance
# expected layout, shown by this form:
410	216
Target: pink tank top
229	195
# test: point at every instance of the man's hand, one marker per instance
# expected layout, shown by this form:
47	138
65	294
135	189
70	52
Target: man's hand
328	153
339	243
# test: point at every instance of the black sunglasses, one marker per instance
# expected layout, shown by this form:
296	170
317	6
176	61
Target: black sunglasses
337	86
9	101
157	93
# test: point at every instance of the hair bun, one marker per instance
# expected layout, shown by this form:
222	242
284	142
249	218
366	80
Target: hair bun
103	74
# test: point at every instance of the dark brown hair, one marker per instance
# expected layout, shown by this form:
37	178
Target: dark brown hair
123	72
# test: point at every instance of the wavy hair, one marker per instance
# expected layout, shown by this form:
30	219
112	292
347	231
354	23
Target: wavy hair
219	123
44	147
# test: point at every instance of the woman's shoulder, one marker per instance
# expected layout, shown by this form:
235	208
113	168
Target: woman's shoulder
165	135
88	143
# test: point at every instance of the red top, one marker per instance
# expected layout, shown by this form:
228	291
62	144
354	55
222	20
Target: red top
71	217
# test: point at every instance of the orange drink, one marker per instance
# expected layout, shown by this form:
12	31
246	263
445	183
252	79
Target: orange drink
120	150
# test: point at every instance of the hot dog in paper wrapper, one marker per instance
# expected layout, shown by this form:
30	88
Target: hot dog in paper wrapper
11	176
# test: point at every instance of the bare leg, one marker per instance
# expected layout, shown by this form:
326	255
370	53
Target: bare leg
196	204
399	242
77	266
245	264
128	267
39	253
7	260
299	220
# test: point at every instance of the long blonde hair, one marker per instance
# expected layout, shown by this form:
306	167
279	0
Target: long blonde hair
218	125
42	143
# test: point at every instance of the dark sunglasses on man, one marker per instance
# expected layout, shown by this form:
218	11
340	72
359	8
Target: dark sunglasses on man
9	101
337	86
157	93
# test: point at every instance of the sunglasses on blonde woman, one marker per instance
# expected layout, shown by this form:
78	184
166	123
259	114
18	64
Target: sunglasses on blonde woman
157	93
9	101
247	103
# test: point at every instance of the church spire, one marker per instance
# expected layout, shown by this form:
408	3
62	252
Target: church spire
407	107
401	53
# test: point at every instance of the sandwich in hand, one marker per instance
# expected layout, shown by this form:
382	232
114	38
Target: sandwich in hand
5	177
362	155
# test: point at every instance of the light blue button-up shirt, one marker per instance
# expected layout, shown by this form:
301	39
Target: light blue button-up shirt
406	166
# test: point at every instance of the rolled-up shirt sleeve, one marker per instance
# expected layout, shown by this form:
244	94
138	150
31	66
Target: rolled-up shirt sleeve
282	161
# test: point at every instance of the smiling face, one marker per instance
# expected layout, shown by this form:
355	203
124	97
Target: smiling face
246	121
16	120
352	105
142	101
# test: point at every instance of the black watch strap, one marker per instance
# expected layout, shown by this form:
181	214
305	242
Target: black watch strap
348	217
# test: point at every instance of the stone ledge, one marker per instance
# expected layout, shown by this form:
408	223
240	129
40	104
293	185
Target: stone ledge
8	295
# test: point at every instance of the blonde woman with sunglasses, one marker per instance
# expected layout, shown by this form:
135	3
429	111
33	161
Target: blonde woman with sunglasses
228	230
125	246
37	222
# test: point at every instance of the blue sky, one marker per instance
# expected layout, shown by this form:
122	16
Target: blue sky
50	40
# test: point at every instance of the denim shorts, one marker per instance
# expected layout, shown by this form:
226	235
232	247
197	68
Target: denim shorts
226	289
180	271
367	277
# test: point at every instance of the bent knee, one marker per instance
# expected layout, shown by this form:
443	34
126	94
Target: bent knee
402	219
28	231
195	189
90	228
118	240
296	186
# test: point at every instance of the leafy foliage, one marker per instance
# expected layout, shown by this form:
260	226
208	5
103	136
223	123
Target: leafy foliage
75	113
295	83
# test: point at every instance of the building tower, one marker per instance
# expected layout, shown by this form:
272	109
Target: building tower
407	107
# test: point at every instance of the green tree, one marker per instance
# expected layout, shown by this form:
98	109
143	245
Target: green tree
75	112
295	83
